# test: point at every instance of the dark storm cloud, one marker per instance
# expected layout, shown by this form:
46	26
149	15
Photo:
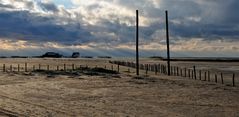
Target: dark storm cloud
114	23
48	7
29	26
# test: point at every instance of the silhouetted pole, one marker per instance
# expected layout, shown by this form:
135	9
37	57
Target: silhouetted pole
167	36
137	42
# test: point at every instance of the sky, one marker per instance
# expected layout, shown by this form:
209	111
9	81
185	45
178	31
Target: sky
198	28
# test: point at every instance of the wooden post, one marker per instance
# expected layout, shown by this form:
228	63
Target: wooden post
4	68
39	66
189	73
167	37
33	67
195	73
174	69
112	67
200	75
205	76
57	68
192	74
209	78
137	42
25	67
185	71
222	78
155	69
73	67
233	80
177	72
105	66
147	68
216	78
10	68
48	67
118	68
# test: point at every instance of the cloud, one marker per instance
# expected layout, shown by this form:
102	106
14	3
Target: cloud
110	24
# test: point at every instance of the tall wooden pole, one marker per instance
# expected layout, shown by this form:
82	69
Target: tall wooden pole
167	36
137	42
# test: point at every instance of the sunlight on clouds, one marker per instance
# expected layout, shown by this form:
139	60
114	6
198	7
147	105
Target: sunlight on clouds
16	45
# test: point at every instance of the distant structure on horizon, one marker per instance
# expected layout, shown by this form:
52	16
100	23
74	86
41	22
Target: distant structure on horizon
51	55
75	55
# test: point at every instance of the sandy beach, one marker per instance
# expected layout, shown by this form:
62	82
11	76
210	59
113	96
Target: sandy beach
73	94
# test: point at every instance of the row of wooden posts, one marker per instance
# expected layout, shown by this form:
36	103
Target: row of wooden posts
26	67
64	67
177	71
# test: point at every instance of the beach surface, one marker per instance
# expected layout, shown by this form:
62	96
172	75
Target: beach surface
42	93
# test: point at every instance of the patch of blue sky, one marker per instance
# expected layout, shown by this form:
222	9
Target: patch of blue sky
66	3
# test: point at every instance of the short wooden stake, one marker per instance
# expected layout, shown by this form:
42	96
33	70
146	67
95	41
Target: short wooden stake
216	78
195	73
73	67
118	68
222	78
233	80
25	67
200	75
209	76
4	68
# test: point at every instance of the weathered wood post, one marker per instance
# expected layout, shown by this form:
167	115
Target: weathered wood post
208	76
137	42
155	69
185	72
57	68
118	68
25	67
233	80
216	78
200	75
177	72
10	68
33	67
73	67
222	78
192	74
189	74
167	37
48	67
205	76
112	67
195	72
39	66
4	68
147	68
